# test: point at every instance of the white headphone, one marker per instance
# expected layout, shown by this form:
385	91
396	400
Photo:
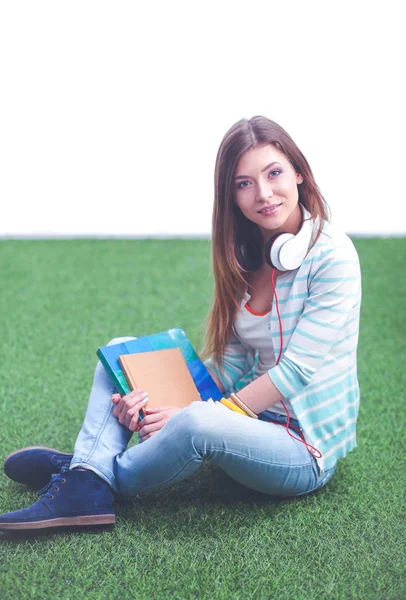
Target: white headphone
285	251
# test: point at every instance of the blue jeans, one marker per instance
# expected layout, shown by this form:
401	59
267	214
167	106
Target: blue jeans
256	453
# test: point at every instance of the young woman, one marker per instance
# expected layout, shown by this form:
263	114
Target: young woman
281	344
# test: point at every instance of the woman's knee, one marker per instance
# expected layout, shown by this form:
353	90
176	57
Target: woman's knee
199	417
120	340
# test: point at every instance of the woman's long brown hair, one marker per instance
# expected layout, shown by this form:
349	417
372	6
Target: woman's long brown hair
230	227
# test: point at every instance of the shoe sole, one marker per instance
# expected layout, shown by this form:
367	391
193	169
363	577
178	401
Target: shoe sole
37	448
82	521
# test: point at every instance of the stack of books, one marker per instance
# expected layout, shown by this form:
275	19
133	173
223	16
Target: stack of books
164	364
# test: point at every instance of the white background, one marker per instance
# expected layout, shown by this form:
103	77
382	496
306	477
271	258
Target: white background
112	112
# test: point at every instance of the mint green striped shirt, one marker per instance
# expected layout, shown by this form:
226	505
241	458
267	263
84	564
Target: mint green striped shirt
319	304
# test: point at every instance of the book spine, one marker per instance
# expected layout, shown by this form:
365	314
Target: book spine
114	378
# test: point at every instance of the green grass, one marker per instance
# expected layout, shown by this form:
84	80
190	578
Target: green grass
207	537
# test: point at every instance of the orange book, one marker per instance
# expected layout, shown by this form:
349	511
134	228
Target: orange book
163	374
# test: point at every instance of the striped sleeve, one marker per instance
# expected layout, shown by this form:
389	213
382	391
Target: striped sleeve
237	363
330	314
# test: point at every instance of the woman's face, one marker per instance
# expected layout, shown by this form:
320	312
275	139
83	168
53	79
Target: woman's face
265	190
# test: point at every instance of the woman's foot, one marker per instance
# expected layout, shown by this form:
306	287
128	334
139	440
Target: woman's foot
35	465
72	498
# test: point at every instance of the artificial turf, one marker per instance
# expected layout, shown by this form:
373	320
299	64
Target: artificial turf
207	537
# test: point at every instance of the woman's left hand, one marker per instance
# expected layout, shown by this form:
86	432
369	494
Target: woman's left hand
154	420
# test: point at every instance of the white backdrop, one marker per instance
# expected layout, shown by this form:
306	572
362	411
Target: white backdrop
112	112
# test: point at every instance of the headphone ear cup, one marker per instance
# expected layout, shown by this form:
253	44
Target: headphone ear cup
268	248
273	247
250	256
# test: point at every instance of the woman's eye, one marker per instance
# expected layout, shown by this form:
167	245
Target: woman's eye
242	185
275	173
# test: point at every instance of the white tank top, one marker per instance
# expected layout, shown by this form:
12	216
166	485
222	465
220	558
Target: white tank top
254	331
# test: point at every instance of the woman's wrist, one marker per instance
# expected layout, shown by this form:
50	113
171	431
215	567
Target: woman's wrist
237	405
261	394
237	400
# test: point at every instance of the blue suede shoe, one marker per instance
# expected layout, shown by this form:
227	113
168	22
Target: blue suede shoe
72	498
34	466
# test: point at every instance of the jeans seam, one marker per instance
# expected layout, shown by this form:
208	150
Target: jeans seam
258	460
97	437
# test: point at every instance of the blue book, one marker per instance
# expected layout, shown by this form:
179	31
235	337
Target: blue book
174	338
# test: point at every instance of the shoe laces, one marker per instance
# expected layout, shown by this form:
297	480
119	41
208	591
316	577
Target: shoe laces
50	488
60	461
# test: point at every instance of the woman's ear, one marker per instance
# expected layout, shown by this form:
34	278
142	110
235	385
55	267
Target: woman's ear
299	178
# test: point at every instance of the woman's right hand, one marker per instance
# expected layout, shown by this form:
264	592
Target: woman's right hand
128	407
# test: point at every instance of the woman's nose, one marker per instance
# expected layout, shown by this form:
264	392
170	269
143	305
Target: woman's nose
264	190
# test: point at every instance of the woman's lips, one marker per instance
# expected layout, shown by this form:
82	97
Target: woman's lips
269	210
